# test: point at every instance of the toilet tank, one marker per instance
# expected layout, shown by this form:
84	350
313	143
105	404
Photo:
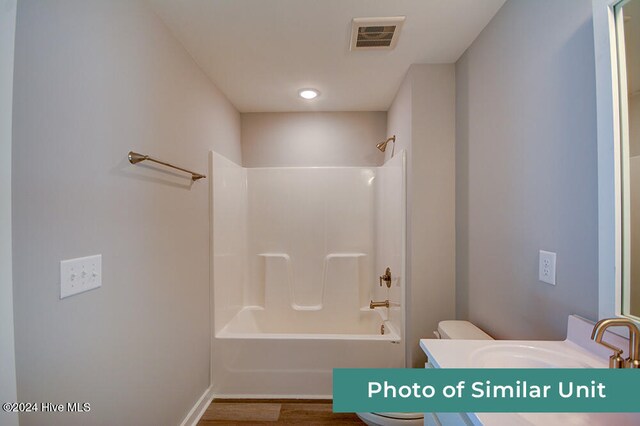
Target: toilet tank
460	330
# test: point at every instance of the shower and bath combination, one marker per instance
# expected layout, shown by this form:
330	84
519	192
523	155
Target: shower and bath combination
295	292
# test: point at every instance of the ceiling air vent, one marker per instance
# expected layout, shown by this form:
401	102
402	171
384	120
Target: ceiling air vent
375	33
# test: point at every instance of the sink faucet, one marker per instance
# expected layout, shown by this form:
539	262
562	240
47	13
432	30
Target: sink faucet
374	305
616	361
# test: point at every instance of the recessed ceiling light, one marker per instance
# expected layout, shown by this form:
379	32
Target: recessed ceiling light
308	93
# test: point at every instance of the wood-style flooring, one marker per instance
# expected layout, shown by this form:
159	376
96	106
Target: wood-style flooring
244	412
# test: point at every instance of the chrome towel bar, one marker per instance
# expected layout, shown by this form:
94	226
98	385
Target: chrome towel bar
135	158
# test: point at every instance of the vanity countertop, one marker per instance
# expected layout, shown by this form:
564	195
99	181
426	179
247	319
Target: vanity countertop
577	351
509	354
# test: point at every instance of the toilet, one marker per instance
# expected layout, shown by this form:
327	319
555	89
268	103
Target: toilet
446	330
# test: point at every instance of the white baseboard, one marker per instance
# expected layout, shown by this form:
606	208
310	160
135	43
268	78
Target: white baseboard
196	412
270	396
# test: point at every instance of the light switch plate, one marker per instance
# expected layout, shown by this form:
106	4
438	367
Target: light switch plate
80	275
547	267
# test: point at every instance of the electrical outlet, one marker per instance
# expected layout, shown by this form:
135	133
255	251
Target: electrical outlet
547	267
80	275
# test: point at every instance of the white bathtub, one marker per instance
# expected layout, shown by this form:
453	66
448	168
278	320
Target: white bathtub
258	323
262	355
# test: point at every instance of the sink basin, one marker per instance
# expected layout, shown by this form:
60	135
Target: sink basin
522	356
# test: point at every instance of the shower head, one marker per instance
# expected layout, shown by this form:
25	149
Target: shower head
382	146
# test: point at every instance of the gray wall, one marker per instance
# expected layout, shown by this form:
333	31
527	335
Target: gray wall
312	139
526	170
422	116
94	79
7	353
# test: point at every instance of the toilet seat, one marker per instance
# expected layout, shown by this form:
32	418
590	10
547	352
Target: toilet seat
392	419
403	416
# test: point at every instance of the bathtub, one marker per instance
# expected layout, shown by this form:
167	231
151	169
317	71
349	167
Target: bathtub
262	354
258	323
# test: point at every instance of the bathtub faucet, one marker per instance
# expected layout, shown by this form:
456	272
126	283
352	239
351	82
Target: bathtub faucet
374	305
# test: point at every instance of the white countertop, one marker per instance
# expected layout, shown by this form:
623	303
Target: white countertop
568	353
463	353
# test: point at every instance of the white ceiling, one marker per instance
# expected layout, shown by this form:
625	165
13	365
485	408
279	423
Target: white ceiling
261	52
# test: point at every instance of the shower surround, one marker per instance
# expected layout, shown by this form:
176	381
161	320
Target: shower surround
296	256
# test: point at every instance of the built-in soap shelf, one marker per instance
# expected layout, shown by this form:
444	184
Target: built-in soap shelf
343	255
340	283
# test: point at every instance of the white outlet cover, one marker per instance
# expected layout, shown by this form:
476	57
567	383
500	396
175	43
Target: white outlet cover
547	267
80	275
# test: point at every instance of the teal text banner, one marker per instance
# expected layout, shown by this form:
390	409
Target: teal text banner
486	390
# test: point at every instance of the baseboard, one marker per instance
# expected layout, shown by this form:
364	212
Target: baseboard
196	412
269	396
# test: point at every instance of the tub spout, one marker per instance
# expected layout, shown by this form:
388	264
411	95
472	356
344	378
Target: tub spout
374	305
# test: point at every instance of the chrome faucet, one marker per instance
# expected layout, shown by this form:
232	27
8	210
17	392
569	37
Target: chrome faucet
374	305
616	361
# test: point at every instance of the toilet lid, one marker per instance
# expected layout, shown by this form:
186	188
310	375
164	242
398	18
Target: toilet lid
405	416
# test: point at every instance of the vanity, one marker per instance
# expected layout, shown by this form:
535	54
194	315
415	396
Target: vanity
578	350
